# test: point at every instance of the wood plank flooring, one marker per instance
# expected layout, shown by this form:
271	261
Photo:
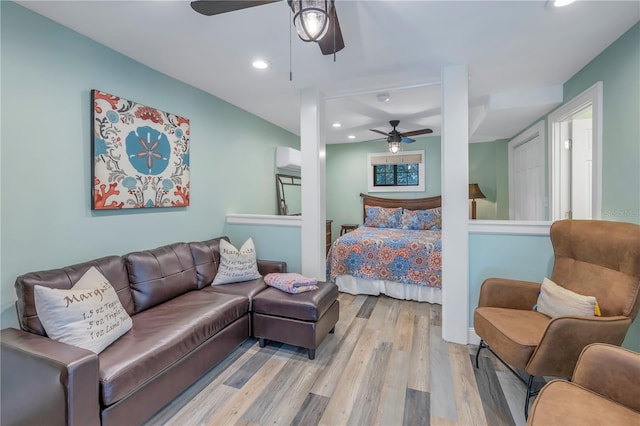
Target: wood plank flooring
386	364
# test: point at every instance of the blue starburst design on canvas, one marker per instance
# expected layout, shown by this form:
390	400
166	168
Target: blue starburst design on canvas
148	150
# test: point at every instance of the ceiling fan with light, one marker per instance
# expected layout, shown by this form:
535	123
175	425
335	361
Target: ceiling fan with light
394	137
315	20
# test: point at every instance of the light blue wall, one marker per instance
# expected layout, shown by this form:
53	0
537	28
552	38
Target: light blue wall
347	177
521	257
48	72
618	67
488	167
272	242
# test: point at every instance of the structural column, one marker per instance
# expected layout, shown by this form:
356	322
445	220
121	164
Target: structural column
455	208
312	147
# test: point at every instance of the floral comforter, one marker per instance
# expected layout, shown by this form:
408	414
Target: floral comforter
402	255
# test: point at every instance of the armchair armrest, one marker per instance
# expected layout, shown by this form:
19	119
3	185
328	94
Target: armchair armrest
610	371
505	293
565	337
270	266
47	382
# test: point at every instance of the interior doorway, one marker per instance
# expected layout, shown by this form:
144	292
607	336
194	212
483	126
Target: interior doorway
577	159
576	151
527	174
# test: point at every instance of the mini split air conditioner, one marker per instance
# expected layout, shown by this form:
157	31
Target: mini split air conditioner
288	158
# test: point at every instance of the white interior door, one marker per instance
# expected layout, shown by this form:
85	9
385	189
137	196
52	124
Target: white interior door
581	168
526	175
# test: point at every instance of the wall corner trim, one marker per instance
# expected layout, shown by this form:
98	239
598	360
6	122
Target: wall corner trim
473	338
264	219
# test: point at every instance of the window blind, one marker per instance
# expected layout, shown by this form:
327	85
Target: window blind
396	159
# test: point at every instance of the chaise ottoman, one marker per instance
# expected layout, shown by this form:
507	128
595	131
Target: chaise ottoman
302	319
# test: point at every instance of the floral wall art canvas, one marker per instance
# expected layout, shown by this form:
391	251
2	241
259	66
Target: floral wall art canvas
140	155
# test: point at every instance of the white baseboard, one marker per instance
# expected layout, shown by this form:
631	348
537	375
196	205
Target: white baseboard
472	337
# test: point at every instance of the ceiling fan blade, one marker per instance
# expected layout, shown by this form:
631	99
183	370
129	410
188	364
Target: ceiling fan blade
407	140
381	132
417	132
330	44
215	7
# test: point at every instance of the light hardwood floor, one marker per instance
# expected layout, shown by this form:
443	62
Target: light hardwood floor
386	364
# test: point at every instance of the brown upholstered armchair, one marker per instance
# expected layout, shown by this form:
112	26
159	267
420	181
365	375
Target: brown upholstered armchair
604	389
594	258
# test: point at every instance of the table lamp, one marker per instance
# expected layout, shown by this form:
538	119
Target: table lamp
474	192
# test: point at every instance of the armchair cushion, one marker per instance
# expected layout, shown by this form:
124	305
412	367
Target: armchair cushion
556	301
513	333
600	258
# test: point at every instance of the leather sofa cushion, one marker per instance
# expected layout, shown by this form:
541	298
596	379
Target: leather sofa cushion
206	255
564	403
160	274
513	333
308	306
112	267
246	288
163	335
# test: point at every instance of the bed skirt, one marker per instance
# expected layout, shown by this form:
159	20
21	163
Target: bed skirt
352	285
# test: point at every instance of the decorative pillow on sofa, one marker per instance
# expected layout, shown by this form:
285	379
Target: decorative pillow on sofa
430	219
88	315
237	265
555	301
380	217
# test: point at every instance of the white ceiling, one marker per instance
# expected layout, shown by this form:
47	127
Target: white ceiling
519	54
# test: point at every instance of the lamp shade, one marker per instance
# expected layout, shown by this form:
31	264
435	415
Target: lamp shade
475	192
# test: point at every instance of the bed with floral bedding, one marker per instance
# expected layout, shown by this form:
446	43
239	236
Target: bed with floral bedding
396	252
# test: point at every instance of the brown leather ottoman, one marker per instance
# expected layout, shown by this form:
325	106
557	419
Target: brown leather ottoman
297	319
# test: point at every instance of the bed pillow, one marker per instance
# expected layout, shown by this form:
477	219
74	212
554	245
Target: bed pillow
555	301
430	219
380	217
237	265
88	315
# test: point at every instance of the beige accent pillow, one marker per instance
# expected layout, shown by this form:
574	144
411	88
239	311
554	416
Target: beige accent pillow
236	265
88	315
556	301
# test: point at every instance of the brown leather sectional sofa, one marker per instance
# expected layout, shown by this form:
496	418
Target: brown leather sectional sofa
182	326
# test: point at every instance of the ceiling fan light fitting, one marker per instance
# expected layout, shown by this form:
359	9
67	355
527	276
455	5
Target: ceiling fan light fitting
394	147
311	18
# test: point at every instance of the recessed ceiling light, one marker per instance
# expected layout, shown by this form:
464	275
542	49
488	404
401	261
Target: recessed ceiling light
562	3
351	136
336	125
261	64
383	97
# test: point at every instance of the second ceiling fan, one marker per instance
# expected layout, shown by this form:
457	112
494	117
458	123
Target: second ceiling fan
315	20
394	137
